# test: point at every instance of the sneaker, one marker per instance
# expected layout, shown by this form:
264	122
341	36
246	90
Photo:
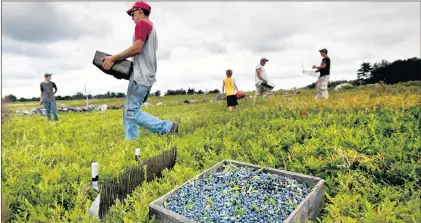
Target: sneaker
174	128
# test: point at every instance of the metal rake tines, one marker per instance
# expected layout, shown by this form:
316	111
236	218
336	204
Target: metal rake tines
121	186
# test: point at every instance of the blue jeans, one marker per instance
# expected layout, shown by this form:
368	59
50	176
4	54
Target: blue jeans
133	116
51	107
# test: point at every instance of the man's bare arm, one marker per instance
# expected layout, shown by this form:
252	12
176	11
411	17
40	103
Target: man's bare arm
258	71
108	61
236	88
136	48
320	67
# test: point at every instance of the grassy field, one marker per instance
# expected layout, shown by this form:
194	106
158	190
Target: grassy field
364	142
115	101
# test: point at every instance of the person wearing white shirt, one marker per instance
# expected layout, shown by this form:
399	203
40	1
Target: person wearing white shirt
260	78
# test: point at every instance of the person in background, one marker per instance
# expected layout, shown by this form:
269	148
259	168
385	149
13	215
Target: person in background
322	82
230	89
143	51
48	90
259	79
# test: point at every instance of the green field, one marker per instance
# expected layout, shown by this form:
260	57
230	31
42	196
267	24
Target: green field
116	101
364	142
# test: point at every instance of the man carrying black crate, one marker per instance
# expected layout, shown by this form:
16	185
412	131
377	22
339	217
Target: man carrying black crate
322	82
261	80
143	51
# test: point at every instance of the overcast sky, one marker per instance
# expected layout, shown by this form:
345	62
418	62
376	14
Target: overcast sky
199	41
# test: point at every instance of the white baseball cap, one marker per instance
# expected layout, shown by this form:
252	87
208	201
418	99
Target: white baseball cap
264	58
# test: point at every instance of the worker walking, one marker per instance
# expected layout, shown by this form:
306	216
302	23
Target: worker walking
261	78
143	51
322	82
230	89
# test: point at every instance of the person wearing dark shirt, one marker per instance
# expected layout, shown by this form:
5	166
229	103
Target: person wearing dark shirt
322	82
48	90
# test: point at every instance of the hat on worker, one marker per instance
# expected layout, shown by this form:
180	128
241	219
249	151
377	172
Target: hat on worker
139	5
47	74
323	50
264	59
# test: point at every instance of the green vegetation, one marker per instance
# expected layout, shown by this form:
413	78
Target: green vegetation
365	142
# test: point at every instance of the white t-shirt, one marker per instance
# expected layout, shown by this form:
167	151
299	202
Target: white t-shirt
262	73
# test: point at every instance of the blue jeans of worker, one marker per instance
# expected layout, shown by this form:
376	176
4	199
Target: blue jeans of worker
133	116
51	107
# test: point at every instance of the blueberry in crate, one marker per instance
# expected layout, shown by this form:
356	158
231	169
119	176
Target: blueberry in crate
232	191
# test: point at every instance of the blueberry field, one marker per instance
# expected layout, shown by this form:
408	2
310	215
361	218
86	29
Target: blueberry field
365	142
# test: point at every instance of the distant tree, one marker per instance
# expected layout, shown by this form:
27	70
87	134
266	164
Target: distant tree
381	64
181	92
378	72
121	95
216	91
10	98
169	92
23	99
78	96
365	71
190	91
176	92
157	93
200	92
398	71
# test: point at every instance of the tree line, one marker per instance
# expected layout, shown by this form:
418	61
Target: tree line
77	96
80	95
384	71
190	91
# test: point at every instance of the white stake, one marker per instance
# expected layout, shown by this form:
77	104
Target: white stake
86	94
95	175
137	154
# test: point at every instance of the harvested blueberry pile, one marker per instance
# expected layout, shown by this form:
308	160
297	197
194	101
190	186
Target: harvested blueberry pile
238	195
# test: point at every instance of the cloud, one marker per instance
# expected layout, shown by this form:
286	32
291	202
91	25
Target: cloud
22	48
18	77
45	22
198	41
215	47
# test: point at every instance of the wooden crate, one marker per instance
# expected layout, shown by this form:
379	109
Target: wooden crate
309	208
